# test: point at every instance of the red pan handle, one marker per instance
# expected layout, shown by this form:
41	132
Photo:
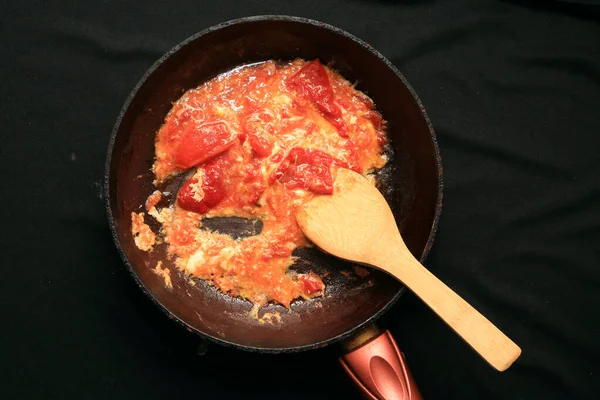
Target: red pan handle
378	367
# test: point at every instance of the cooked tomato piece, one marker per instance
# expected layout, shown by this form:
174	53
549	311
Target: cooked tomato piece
254	185
307	169
256	127
339	124
201	196
312	283
200	143
261	146
312	81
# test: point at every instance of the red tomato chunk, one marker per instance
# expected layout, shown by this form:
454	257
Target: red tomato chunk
312	283
202	197
261	146
312	81
306	169
200	143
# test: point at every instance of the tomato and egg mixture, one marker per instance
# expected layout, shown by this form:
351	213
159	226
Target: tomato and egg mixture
258	141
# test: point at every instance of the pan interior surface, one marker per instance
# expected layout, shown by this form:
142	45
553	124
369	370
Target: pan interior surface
411	182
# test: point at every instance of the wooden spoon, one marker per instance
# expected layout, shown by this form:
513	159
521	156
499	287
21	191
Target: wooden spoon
356	223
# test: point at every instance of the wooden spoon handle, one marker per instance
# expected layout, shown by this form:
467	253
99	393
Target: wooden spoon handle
483	336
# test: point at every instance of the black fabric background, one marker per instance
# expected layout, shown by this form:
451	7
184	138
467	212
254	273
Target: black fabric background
512	88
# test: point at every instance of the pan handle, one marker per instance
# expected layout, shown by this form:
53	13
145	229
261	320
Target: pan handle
378	367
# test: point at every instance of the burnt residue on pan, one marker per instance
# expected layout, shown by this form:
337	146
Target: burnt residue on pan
411	182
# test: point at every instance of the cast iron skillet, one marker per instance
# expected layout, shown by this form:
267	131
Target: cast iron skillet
412	182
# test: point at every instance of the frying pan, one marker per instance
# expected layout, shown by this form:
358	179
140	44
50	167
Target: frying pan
411	182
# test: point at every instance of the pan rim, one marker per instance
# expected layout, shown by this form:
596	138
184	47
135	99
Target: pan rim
175	49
